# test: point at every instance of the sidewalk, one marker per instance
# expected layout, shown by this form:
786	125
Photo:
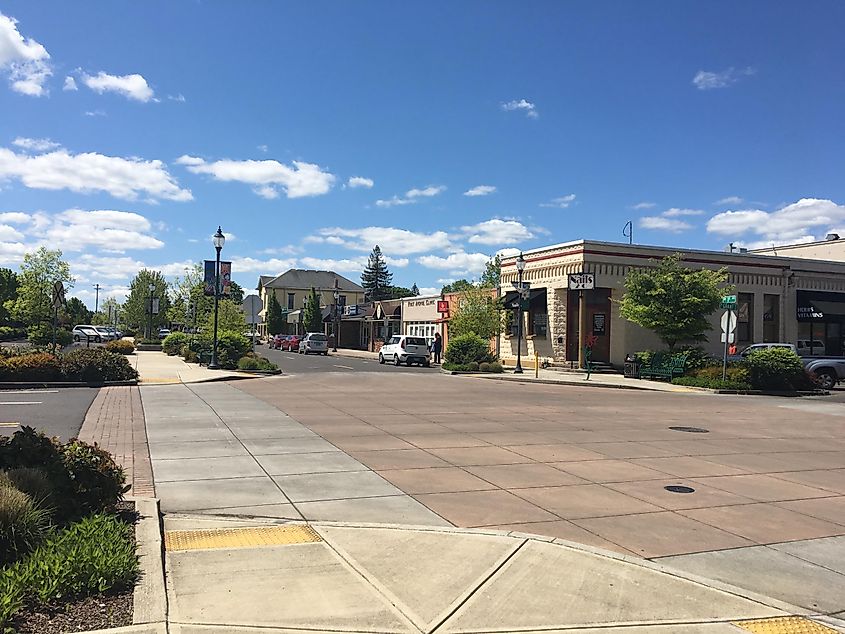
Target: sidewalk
157	368
618	381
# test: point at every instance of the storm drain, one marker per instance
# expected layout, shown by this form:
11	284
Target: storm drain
240	537
677	488
691	430
784	625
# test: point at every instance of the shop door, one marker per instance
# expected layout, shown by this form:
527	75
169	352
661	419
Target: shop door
598	323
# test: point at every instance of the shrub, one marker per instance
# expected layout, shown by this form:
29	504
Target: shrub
231	346
121	346
42	334
189	355
250	362
95	365
22	524
712	383
36	366
35	483
484	367
776	369
98	481
697	358
496	368
472	366
173	342
468	348
735	372
10	333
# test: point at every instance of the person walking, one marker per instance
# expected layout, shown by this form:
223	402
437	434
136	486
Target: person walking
437	347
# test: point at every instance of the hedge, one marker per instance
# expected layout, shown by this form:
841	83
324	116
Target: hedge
92	365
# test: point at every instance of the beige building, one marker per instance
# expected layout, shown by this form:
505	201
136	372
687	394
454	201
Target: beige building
293	287
779	299
420	317
831	248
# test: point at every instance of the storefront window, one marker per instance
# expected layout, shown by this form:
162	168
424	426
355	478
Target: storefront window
538	323
771	318
745	318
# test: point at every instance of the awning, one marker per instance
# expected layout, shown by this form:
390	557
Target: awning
511	298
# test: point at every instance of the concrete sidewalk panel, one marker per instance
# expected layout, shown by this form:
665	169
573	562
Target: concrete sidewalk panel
298	586
216	468
428	573
395	509
828	552
190	495
769	572
674	628
301	463
313	487
260	447
548	586
197	449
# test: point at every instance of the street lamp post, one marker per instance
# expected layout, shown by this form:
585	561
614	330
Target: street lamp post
336	330
151	288
520	267
217	240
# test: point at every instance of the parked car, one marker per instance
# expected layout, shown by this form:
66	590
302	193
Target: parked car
86	332
275	341
291	343
116	334
315	342
405	349
163	332
105	333
829	371
806	350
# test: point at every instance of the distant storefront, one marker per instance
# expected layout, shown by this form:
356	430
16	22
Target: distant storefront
420	317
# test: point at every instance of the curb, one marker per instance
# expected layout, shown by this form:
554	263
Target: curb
149	600
26	385
583	383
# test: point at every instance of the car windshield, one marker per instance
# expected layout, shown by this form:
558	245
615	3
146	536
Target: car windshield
416	341
318	337
393	340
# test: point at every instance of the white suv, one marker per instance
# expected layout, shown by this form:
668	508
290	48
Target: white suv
405	349
84	332
315	342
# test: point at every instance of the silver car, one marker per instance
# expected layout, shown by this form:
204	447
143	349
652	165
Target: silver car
315	342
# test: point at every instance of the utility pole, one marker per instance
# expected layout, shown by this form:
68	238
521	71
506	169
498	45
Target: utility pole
97	288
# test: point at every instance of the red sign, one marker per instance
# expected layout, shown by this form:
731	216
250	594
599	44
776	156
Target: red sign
442	306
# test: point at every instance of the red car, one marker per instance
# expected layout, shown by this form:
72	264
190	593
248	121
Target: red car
276	341
291	343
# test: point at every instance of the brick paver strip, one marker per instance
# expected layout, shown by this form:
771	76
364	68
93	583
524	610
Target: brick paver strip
115	421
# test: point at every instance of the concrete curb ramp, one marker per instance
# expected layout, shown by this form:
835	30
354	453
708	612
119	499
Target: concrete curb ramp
378	579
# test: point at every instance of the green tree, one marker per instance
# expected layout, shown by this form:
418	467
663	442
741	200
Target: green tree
275	316
672	300
230	318
415	290
137	306
492	275
236	293
75	312
477	312
40	270
312	319
107	311
376	279
8	293
457	286
398	292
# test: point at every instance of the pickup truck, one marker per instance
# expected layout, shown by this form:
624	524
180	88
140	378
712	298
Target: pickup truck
829	370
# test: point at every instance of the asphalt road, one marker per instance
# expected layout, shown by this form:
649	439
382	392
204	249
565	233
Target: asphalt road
292	363
56	412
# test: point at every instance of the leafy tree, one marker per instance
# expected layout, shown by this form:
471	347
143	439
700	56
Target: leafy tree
312	318
76	312
672	300
137	306
492	275
8	292
457	286
230	318
39	271
236	293
275	316
415	290
477	312
105	316
398	292
376	279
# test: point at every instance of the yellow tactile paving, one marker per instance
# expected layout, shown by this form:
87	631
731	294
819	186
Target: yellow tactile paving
784	625
239	537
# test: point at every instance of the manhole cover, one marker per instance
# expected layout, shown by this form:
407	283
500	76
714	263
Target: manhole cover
692	430
677	488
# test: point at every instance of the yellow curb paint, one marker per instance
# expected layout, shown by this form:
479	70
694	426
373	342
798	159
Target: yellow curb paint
240	537
784	625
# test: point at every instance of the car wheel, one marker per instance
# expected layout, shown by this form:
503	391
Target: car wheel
97	339
426	364
396	360
381	359
827	380
409	362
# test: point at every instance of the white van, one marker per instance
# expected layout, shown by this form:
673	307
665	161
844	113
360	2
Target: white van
804	349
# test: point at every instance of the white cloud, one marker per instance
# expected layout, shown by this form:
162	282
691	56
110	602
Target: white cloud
708	80
497	231
95	113
390	239
661	223
130	86
508	252
25	59
300	180
11	253
70	84
360	181
90	267
393	202
675	212
108	230
262	148
730	200
426	192
178	98
522	104
429	290
91	172
39	145
9	234
480	190
345	265
460	263
643	205
797	221
561	202
15	217
263	267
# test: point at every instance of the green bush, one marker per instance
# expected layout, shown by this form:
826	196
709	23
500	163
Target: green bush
10	333
98	480
736	372
254	362
484	367
42	334
189	355
496	368
121	346
35	483
468	348
95	365
776	369
23	524
36	366
697	358
231	346
712	383
173	342
92	556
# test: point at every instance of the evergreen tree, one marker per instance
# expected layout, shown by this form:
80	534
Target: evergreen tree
415	290
376	279
275	317
312	319
457	286
8	292
492	276
398	292
75	312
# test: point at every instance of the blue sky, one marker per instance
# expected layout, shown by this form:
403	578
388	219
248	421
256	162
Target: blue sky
443	131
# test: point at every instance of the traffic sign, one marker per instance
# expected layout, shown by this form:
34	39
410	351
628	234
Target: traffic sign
582	281
728	321
58	294
728	302
252	305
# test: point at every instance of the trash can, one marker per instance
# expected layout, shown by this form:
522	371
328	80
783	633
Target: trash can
632	367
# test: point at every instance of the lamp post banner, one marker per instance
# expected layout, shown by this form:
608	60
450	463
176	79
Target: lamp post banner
225	278
208	279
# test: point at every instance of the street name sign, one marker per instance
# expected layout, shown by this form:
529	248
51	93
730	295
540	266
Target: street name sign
728	302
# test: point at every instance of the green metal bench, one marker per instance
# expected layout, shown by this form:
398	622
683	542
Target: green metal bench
663	365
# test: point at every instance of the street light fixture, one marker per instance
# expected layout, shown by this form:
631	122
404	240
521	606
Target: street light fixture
218	241
520	267
151	287
336	299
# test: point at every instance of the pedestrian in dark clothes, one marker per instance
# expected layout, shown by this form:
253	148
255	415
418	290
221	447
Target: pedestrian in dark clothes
437	347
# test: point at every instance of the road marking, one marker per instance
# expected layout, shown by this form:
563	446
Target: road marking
20	403
345	367
11	424
4	392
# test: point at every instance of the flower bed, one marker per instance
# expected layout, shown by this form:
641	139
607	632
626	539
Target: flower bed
88	365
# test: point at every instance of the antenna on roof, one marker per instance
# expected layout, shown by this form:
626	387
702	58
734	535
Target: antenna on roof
628	231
